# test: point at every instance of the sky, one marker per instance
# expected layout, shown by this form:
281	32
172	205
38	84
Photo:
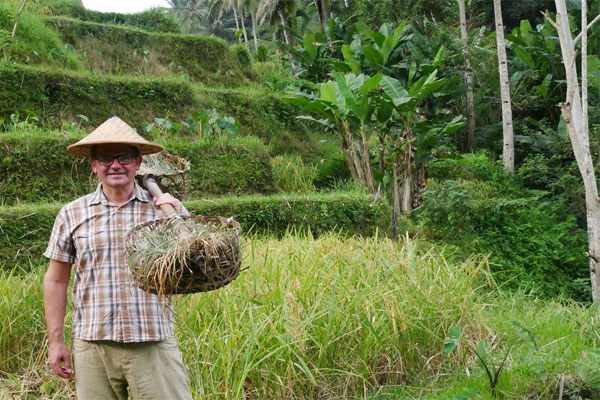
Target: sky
123	6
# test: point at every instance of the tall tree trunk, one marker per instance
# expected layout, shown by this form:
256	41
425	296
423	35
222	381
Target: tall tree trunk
396	209
347	148
253	19
353	153
584	66
573	114
243	20
508	150
366	161
323	13
286	37
237	24
407	173
468	76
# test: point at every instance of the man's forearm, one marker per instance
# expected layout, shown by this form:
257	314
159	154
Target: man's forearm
55	305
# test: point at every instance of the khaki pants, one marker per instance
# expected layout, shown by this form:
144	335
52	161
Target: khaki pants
111	370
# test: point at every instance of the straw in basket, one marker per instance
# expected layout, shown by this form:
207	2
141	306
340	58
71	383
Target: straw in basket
181	255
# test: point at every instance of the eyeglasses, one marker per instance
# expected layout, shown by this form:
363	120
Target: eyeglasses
107	159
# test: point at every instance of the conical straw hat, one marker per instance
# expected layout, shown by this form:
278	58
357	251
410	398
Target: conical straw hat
113	130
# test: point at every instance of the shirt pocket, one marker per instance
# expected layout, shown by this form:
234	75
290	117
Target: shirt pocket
90	247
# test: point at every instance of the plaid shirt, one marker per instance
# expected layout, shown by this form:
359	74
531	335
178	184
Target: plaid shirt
90	232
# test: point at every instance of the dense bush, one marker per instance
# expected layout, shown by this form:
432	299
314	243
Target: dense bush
158	20
236	165
123	50
25	229
467	167
34	42
532	242
242	54
59	96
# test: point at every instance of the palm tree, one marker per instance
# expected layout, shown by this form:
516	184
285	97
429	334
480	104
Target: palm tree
188	12
219	7
278	12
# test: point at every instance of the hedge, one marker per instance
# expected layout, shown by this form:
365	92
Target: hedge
58	96
122	50
237	165
158	20
25	229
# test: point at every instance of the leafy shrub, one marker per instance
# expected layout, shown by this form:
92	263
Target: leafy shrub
123	50
258	112
467	167
34	42
204	124
275	76
25	229
530	241
242	54
262	53
291	174
559	177
237	165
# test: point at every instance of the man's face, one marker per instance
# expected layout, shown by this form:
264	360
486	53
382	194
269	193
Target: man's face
115	165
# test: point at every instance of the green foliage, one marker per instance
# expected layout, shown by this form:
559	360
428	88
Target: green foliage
56	97
513	11
532	243
156	20
229	165
375	13
258	112
34	42
124	50
291	174
242	54
468	167
274	76
205	124
22	243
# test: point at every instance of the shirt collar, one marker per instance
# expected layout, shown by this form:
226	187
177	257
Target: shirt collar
139	193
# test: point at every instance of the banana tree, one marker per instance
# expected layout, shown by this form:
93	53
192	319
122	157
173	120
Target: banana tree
374	51
401	110
346	104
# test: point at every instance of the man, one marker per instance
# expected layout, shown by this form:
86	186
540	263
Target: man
123	340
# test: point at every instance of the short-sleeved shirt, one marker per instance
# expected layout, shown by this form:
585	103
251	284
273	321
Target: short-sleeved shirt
90	233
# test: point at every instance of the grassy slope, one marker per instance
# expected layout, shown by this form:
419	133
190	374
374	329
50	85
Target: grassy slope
339	318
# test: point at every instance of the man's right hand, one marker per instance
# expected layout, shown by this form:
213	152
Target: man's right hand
59	359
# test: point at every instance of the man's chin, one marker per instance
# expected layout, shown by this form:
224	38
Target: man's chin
117	180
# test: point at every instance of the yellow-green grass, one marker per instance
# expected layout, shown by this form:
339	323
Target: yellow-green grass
334	318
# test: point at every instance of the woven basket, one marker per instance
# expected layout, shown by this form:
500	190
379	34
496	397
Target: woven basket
206	268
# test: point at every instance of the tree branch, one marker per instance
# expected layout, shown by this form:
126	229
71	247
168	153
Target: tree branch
588	28
547	17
